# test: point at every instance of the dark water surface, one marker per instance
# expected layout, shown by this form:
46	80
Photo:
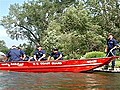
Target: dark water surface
59	81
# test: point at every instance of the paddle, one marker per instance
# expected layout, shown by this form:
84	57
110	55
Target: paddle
111	51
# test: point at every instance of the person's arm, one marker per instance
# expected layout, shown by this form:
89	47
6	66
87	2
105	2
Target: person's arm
106	48
30	58
116	43
49	57
59	57
41	57
4	58
24	56
7	56
35	57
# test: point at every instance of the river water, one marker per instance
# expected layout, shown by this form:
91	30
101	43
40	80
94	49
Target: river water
59	81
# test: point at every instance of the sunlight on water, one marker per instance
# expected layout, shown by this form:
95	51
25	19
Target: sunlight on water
59	81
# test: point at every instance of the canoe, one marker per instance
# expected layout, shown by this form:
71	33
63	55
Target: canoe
77	65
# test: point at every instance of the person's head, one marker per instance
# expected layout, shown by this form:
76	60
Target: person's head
2	56
39	47
13	47
55	50
18	48
110	36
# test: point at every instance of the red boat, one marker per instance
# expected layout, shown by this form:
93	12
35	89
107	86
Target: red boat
81	65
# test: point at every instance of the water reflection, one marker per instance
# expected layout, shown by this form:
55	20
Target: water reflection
59	81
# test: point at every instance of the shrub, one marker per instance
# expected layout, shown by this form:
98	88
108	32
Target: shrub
72	56
94	54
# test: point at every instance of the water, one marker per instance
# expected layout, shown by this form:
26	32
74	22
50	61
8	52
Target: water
59	81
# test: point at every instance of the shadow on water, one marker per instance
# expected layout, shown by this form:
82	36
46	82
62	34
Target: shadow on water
59	81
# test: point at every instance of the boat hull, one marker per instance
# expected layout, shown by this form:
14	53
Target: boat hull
81	65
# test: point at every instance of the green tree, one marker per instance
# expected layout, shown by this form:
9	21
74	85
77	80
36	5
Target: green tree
28	48
3	47
74	33
27	21
106	13
30	20
74	26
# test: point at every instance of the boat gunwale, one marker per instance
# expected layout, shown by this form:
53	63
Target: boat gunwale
85	59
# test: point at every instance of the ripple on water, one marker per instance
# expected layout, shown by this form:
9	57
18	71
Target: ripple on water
58	81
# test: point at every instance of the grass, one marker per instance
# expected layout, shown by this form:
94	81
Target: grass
117	63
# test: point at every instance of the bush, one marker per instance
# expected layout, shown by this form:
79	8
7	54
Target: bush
94	54
117	63
72	56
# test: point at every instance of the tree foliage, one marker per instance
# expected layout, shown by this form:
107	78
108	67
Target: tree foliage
3	47
94	54
106	13
74	26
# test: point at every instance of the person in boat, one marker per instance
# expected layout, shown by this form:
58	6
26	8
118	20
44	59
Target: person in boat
22	52
13	55
56	54
2	57
111	43
39	54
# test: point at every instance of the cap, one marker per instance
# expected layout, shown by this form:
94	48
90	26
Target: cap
110	34
38	46
13	46
55	49
18	47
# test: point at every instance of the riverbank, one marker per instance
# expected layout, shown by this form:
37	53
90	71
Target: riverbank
117	63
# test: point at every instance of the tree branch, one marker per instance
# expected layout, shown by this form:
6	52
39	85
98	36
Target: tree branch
36	39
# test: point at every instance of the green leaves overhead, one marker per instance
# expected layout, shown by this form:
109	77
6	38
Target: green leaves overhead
75	26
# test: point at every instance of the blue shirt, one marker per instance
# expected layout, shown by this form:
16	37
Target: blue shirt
111	43
22	52
39	54
56	55
14	55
